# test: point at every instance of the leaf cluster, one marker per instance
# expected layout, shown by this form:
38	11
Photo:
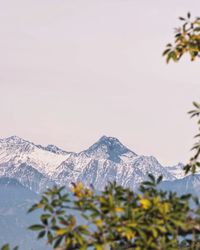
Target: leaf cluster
187	40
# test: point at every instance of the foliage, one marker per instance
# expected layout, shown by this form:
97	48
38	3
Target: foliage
187	40
117	218
7	247
195	161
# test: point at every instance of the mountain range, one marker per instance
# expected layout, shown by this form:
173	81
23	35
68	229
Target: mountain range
37	167
27	169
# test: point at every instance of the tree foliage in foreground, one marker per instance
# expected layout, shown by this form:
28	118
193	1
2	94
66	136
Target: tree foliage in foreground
187	41
195	159
117	218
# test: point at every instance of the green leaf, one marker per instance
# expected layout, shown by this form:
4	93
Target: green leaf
197	105
33	208
152	178
58	242
45	216
36	227
41	234
159	179
62	231
182	18
50	237
166	52
147	183
197	29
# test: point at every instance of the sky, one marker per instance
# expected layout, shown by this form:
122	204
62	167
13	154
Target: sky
74	70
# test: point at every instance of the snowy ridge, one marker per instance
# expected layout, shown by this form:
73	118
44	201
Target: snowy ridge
17	151
38	167
177	170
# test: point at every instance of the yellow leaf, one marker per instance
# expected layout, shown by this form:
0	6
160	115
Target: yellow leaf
98	247
67	241
99	222
78	189
103	200
89	192
146	204
165	208
132	224
129	234
156	200
118	209
119	229
72	222
61	231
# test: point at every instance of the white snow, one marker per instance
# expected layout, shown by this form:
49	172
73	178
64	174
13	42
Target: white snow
106	160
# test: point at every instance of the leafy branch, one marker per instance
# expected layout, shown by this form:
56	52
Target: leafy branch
187	40
194	161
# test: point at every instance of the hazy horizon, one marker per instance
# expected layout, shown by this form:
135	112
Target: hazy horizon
72	71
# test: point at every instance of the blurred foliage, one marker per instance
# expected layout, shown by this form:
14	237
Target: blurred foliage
7	247
187	40
195	161
118	218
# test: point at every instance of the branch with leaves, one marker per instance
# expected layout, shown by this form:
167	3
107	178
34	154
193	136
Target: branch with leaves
187	40
195	161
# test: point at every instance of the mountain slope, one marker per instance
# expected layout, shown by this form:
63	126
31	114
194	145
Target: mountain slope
38	167
189	184
27	175
17	151
108	160
15	200
32	165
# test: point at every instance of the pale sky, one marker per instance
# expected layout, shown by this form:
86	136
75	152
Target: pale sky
74	70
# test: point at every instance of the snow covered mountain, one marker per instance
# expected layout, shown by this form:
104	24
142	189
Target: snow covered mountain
32	165
177	170
108	160
38	167
17	151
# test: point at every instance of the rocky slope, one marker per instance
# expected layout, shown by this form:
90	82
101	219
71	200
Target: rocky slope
38	167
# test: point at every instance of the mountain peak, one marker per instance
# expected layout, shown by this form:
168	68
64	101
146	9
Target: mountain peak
15	143
54	149
109	142
108	147
108	139
14	139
